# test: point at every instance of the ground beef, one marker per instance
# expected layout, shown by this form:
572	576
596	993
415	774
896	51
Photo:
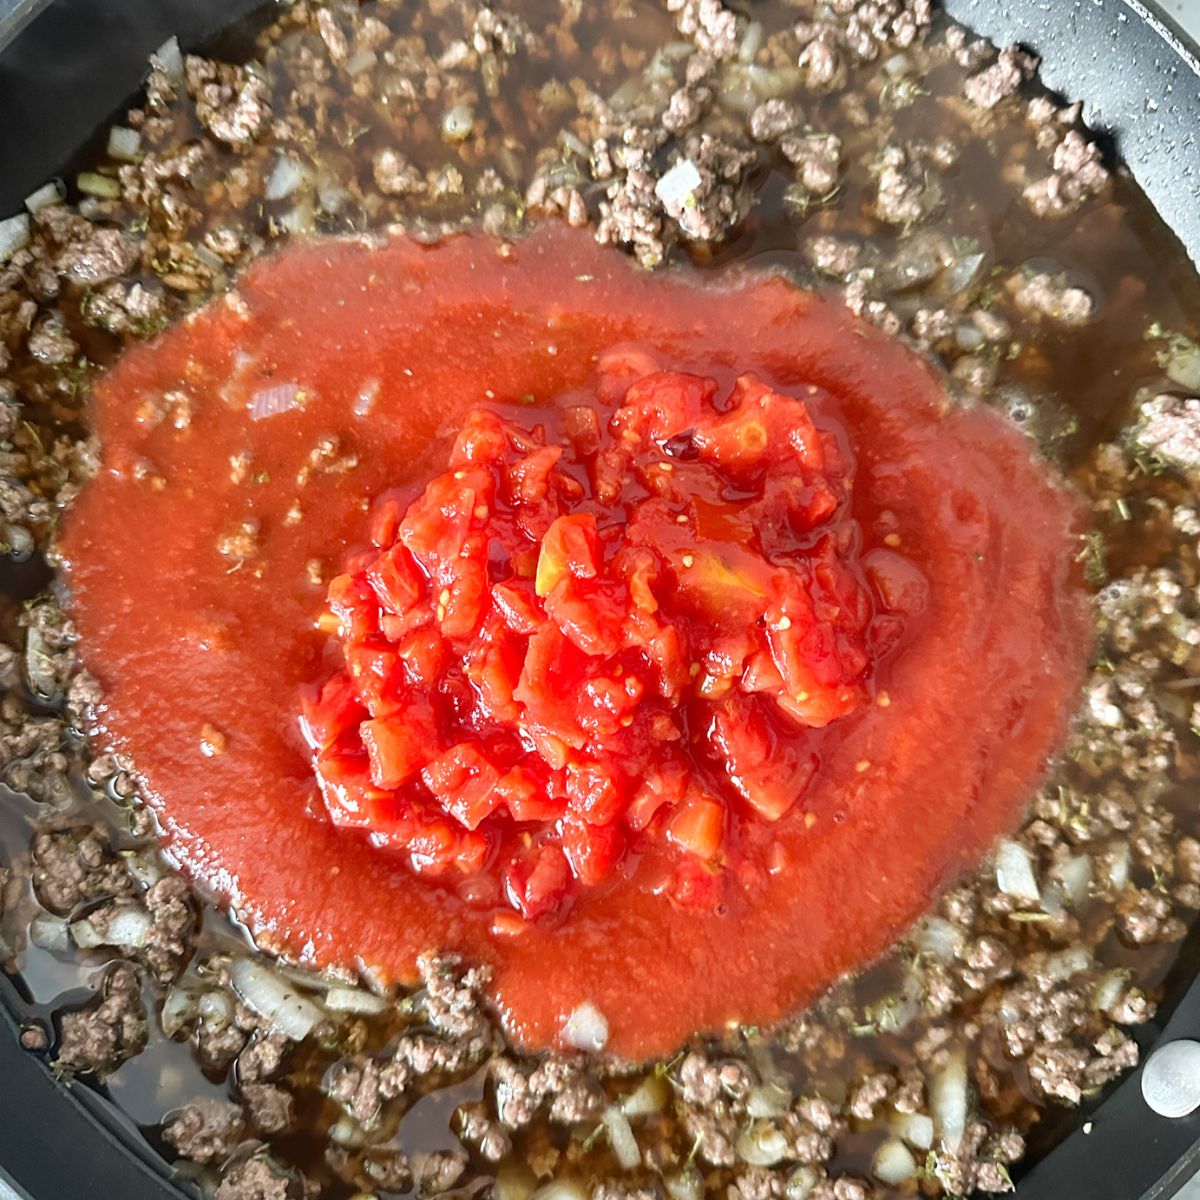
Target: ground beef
713	27
258	1179
232	102
206	1131
72	866
96	1039
268	1107
438	1172
1050	296
1168	430
1013	67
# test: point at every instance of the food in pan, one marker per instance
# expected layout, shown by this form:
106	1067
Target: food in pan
578	528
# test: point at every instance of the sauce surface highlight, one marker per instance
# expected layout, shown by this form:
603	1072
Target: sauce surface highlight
241	454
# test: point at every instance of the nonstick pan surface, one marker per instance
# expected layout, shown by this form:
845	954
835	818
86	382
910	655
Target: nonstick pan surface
65	64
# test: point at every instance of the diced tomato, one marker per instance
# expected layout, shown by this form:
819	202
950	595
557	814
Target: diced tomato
536	881
698	826
596	791
528	797
571	547
385	520
698	884
354	603
518	607
377	675
593	851
398	747
396	579
464	783
351	796
529	477
591	616
666	403
331	712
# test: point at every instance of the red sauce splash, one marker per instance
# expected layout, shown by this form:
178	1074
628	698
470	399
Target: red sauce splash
239	452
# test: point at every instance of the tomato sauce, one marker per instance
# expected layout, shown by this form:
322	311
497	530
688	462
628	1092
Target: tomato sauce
259	461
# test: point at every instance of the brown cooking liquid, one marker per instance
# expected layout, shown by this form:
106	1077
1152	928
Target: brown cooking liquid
1119	250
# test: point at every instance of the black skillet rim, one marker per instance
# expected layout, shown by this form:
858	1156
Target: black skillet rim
1142	74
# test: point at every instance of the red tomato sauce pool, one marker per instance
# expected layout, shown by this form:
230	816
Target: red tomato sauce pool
728	639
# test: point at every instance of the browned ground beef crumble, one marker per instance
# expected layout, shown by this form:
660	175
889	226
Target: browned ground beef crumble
841	139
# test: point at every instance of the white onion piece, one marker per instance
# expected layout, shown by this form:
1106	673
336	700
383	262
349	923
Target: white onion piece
686	1185
126	927
270	402
358	63
1075	875
1118	866
286	176
144	869
678	183
14	235
178	1008
275	1001
800	1183
1110	989
649	1097
762	1145
1182	365
752	39
353	1000
939	938
768	1100
124	144
347	1132
216	1010
1069	962
893	1163
561	1189
620	1137
514	1181
170	59
1014	872
915	1128
48	194
586	1028
458	122
948	1100
48	932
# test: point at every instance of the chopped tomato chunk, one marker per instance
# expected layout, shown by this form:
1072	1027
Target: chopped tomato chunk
537	674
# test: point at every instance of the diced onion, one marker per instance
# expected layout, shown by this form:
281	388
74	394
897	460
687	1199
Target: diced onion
48	932
14	235
678	183
354	1000
768	1100
126	927
48	194
649	1097
560	1189
124	143
275	1001
948	1100
358	63
170	59
893	1163
801	1183
1182	365
270	402
216	1010
1075	875
1069	962
915	1128
586	1028
685	1185
1014	871
286	176
620	1137
939	938
1118	867
1110	989
514	1181
178	1008
103	187
762	1145
752	40
457	123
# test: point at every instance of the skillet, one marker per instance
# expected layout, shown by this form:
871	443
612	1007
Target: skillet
64	62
